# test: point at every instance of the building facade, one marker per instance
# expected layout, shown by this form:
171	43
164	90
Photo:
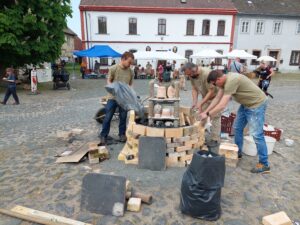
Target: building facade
68	47
141	25
269	28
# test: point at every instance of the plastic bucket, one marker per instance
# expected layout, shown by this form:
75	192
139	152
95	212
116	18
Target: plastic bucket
250	146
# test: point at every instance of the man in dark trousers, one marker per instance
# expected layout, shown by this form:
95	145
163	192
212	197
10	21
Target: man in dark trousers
251	111
123	73
11	86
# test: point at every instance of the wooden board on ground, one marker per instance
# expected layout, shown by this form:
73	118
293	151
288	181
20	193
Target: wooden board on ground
76	156
40	217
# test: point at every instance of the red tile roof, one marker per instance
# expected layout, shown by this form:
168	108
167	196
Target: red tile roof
195	4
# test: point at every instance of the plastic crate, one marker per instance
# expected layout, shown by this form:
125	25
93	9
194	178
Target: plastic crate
227	123
274	134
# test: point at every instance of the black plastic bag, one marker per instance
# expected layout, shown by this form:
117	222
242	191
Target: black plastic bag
201	186
126	97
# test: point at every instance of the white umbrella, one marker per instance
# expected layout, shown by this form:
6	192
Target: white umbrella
266	58
242	54
207	54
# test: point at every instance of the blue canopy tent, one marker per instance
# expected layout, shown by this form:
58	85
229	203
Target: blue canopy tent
98	51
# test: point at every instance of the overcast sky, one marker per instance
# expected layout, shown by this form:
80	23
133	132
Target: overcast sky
74	22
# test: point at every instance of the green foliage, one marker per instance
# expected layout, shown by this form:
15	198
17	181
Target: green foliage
31	31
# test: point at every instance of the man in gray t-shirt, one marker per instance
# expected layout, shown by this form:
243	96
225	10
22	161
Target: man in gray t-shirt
236	66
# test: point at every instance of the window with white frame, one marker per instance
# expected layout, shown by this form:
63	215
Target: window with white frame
102	26
259	29
162	26
298	28
277	27
295	58
245	26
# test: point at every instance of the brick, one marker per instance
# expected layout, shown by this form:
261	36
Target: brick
188	131
131	116
135	141
280	218
93	146
173	162
93	157
183	148
182	139
229	150
173	132
191	142
181	119
195	136
134	204
231	162
139	129
121	156
168	140
189	152
103	153
174	145
170	150
186	158
187	120
181	154
173	155
155	132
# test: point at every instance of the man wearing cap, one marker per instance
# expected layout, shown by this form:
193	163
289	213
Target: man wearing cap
251	111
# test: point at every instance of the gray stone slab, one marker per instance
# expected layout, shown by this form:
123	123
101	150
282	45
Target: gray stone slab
104	194
152	153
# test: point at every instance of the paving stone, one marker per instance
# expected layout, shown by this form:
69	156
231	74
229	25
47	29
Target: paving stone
235	222
250	197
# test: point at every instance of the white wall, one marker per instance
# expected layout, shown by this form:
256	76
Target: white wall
285	42
147	29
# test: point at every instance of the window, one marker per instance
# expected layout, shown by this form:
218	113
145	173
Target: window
259	27
245	26
295	58
277	26
298	28
221	28
190	27
218	61
256	53
103	61
132	26
188	53
102	28
205	27
162	26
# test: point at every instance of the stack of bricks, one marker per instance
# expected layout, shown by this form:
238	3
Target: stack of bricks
181	142
230	151
97	154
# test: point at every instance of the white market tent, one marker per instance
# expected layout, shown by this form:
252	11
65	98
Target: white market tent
207	54
266	58
242	54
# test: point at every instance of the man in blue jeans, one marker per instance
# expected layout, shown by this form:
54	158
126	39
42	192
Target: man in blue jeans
252	111
11	86
123	73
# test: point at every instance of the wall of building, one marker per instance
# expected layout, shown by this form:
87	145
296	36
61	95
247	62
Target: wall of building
284	42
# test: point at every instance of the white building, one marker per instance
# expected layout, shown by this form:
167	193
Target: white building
269	27
185	27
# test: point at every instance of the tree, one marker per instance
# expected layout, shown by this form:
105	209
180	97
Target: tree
31	32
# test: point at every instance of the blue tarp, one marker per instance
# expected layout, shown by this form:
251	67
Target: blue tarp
98	51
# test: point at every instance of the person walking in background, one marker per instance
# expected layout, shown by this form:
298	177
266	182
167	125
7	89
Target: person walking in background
11	86
97	67
236	66
160	72
82	69
264	72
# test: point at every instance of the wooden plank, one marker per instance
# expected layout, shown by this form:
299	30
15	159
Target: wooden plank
75	156
45	216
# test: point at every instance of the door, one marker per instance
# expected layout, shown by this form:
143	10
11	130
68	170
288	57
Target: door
274	54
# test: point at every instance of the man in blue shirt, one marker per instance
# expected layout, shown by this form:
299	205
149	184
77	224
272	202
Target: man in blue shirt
11	86
236	66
